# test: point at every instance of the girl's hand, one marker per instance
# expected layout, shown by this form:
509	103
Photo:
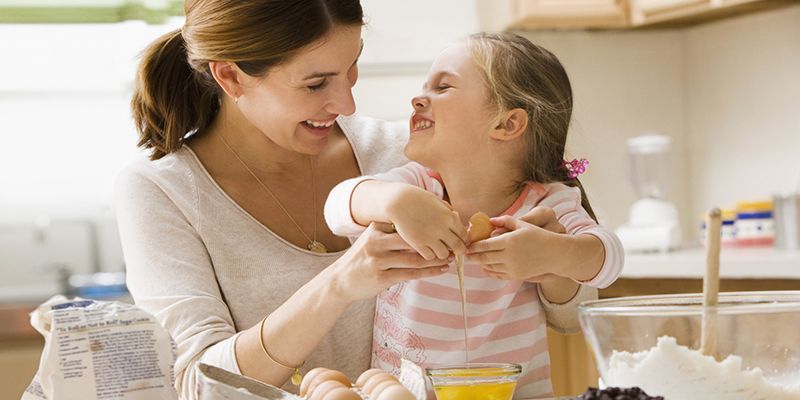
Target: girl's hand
427	223
378	260
520	250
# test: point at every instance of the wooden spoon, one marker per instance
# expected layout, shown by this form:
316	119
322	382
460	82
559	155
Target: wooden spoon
708	338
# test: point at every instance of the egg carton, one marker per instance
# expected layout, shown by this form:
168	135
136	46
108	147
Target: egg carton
413	378
215	383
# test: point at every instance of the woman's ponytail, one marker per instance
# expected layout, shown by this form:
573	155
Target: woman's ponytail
170	100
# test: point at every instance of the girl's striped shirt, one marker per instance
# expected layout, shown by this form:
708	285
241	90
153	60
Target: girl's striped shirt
421	320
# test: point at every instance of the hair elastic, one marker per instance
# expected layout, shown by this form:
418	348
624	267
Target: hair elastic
575	167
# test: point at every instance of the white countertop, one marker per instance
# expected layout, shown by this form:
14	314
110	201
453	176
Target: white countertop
735	263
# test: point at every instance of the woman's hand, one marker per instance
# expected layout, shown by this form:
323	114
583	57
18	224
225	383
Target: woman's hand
529	248
427	223
379	259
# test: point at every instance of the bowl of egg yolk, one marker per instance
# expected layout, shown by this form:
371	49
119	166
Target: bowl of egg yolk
474	381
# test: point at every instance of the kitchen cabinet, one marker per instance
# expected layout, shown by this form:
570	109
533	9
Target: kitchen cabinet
612	14
686	12
19	360
545	14
20	349
572	368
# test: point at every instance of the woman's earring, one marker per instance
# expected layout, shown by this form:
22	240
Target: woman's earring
236	99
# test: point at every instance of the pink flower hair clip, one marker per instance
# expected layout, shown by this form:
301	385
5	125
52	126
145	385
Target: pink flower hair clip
575	167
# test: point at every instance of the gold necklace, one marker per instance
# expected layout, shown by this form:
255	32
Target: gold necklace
313	245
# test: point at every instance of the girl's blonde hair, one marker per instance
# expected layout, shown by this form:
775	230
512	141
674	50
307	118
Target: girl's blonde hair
175	93
520	74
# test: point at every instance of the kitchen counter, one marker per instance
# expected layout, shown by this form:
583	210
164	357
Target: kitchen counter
735	263
16	322
741	269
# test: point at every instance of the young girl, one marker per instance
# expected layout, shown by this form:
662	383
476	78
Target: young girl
487	134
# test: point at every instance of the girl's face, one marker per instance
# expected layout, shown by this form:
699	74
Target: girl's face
296	103
451	117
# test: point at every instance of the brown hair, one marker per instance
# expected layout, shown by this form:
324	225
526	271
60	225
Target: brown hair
520	74
175	94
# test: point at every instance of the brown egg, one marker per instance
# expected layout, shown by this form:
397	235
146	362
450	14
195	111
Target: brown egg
319	391
342	394
376	391
395	392
329	375
362	379
480	227
374	380
383	375
309	377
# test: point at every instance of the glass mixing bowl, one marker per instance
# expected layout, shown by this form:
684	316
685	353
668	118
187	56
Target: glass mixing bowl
475	381
653	342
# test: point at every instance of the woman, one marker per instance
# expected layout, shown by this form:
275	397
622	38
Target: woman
223	232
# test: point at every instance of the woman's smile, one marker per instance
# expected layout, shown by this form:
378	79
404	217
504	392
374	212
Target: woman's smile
319	128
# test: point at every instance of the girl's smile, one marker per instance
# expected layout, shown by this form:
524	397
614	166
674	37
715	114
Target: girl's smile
420	123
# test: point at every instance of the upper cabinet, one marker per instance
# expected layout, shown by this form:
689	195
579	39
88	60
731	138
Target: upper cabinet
611	14
499	15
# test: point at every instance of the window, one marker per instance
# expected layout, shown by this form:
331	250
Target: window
88	11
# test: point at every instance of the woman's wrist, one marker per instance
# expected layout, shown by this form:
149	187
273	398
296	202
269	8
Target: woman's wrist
265	350
331	287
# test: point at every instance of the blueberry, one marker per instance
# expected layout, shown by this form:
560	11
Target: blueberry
615	393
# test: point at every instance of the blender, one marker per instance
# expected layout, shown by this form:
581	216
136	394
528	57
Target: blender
653	221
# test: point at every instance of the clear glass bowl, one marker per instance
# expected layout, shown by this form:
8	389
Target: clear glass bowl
761	329
474	381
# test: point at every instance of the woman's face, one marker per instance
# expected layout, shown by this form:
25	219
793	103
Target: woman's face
296	103
451	117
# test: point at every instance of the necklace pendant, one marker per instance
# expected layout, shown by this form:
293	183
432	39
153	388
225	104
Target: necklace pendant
317	247
296	377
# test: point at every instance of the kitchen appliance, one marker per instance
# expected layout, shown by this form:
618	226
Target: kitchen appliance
653	221
787	221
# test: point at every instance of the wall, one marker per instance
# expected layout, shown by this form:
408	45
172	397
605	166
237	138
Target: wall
66	131
743	108
400	42
624	84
